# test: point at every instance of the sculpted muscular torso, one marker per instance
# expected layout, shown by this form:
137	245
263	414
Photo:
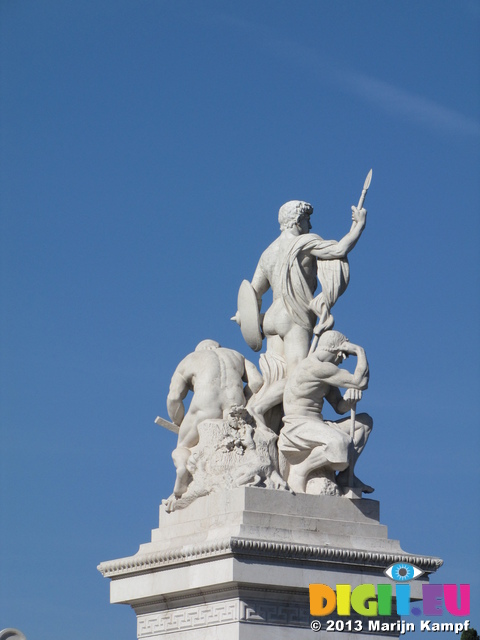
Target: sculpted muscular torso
217	376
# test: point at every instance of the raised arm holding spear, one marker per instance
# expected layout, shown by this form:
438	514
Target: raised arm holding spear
333	271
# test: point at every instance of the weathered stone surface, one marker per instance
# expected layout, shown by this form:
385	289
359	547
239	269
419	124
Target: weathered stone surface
245	557
230	453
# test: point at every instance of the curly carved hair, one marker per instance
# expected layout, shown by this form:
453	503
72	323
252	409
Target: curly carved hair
290	212
330	341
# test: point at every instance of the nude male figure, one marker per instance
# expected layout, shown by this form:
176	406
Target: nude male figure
307	441
216	376
289	267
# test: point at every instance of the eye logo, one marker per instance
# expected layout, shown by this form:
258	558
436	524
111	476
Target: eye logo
402	572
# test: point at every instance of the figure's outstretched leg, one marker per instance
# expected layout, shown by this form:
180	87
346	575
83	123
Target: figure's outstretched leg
296	344
363	428
298	474
180	457
317	459
187	439
272	396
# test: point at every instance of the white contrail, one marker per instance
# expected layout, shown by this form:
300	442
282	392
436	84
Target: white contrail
381	95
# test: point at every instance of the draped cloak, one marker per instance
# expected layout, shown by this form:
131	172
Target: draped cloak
298	298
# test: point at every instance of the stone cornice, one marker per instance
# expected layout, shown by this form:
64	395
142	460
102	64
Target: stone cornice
146	562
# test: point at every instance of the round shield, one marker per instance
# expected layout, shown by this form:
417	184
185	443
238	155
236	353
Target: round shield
249	316
11	634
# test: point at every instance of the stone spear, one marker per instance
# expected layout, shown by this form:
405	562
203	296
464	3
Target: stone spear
353	410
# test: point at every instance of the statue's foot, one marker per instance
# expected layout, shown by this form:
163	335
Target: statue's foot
342	481
278	482
297	483
169	503
366	488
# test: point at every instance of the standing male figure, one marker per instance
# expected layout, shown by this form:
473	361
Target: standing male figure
290	266
307	441
216	376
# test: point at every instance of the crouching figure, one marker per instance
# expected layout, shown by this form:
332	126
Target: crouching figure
317	453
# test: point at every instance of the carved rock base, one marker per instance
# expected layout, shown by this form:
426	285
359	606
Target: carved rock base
236	565
230	453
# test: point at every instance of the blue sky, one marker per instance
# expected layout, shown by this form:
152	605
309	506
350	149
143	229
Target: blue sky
146	147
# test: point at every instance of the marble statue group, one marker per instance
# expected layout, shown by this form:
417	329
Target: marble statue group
246	427
267	503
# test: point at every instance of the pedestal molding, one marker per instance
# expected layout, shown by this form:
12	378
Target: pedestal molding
141	563
203	615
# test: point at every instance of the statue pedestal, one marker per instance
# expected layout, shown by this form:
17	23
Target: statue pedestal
236	565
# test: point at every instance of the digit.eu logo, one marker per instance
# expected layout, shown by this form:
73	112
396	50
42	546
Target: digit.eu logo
368	601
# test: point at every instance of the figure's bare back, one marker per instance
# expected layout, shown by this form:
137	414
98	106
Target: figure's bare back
305	390
272	260
217	380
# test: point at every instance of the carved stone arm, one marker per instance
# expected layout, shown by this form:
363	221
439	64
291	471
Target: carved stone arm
343	247
177	393
253	378
337	377
260	284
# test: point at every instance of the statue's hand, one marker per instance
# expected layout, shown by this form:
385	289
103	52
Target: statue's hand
359	216
352	396
349	348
